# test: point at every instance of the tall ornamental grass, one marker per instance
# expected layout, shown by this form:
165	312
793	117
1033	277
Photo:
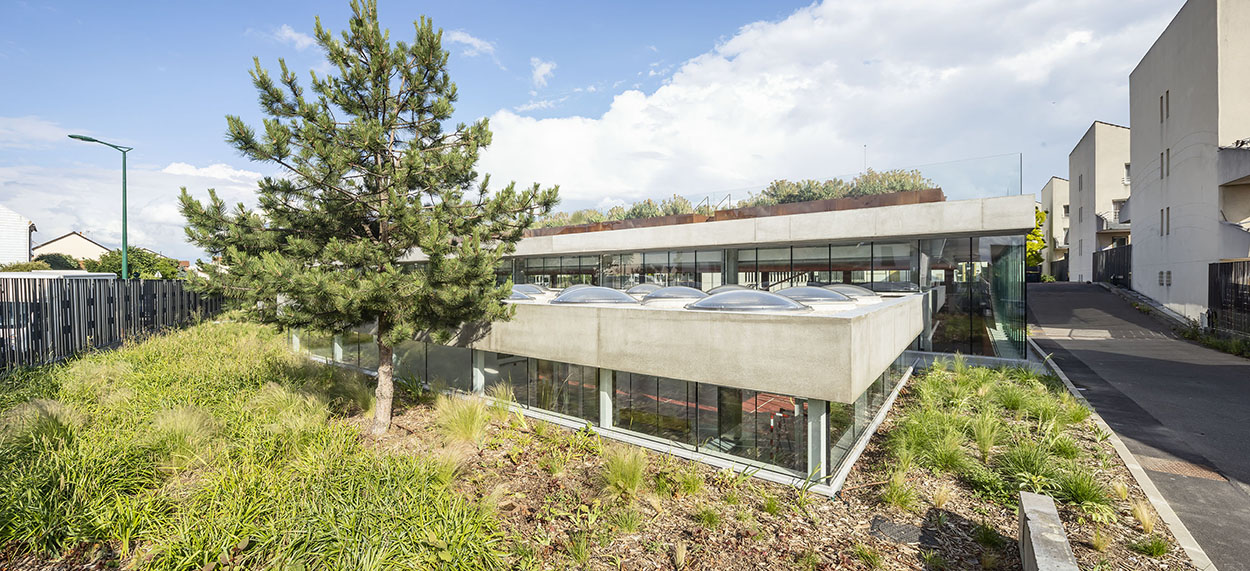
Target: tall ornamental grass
214	443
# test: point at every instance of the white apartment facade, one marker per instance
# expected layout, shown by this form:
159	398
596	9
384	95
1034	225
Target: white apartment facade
1098	188
1055	228
15	232
1189	101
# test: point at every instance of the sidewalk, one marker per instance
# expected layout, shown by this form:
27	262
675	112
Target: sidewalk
1182	409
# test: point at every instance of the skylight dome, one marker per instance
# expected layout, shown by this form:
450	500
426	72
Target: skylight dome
726	287
851	290
642	289
673	296
577	287
529	289
747	300
807	294
518	296
594	294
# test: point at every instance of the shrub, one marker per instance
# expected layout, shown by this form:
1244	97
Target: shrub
624	470
1078	486
462	419
1153	546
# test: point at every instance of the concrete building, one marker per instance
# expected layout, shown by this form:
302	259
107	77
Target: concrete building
1055	230
1191	179
769	338
1098	188
74	245
15	240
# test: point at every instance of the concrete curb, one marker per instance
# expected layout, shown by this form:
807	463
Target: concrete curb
1161	505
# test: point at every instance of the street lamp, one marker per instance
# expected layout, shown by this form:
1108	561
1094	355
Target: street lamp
124	150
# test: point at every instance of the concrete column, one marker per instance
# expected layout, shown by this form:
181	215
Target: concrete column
730	269
818	438
337	348
605	398
295	341
479	375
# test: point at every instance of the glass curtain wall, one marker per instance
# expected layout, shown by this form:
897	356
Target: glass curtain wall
848	422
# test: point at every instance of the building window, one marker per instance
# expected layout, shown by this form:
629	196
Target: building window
1168	162
1080	247
1167	103
1065	211
1160	165
1118	241
1080	182
1160	108
1169	220
1160	221
1080	215
1117	206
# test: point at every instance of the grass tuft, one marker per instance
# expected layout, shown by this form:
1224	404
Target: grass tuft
898	493
1144	515
1079	486
707	517
462	419
1153	546
624	471
868	555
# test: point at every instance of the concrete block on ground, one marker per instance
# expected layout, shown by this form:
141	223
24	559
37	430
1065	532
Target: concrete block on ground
1043	543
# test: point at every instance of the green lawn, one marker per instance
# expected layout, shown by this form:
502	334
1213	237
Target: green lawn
215	444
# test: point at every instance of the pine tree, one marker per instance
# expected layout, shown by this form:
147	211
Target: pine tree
370	175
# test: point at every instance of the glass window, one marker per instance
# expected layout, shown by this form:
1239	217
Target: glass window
655	268
893	265
710	266
774	268
812	264
410	361
684	270
451	367
1002	270
511	370
952	276
747	270
851	264
318	344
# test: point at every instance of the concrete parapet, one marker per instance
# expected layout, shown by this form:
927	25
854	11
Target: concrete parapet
1043	543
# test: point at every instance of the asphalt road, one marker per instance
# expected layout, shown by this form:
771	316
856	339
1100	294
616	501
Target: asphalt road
1182	409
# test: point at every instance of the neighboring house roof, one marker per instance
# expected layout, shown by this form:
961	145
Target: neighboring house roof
79	234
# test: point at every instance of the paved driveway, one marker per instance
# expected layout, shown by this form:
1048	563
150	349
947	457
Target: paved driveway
1182	409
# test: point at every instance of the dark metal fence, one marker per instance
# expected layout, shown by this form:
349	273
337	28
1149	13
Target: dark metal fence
1228	297
45	320
1114	266
1059	269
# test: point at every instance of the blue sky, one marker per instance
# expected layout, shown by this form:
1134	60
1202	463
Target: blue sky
613	101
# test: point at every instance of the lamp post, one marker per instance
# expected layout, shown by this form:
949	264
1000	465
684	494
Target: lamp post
124	150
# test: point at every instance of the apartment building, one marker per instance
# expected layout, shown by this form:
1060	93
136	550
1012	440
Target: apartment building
1098	189
1055	229
1189	101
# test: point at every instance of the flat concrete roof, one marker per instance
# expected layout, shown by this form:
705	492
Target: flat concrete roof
830	356
981	216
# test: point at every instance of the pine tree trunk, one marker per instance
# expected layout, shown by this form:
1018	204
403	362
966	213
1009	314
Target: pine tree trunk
386	381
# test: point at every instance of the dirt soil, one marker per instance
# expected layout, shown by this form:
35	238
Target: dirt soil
545	482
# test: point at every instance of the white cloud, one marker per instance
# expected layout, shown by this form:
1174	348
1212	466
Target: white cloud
472	46
29	133
218	171
535	105
917	81
77	198
287	35
541	70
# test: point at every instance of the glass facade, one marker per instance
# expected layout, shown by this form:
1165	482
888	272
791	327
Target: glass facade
765	429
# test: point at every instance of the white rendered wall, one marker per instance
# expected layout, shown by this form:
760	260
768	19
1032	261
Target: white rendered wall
1199	65
1095	180
1054	198
14	237
74	246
